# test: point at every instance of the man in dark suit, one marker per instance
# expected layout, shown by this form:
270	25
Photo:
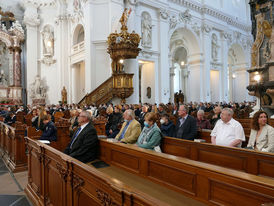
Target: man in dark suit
84	142
186	127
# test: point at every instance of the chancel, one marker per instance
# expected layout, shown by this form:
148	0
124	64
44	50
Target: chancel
136	102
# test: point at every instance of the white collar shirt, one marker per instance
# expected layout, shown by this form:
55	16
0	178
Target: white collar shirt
83	126
225	133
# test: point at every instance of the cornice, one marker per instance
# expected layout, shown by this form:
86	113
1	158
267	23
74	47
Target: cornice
213	12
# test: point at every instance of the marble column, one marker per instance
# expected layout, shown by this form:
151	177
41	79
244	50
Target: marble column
17	68
205	73
132	66
171	76
224	78
32	22
163	58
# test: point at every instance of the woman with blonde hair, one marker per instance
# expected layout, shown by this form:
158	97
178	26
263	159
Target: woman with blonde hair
262	135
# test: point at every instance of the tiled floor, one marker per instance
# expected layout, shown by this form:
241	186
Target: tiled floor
12	187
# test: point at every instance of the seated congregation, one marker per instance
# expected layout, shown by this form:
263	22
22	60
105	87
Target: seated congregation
132	137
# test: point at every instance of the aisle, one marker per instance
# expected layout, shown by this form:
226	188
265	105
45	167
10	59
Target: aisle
12	187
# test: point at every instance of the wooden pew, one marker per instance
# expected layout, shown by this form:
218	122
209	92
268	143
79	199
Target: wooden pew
13	146
20	117
257	163
100	126
211	184
57	179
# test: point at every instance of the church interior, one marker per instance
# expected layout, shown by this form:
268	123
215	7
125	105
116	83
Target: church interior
136	102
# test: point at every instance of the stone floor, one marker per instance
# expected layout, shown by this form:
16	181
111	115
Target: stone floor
12	187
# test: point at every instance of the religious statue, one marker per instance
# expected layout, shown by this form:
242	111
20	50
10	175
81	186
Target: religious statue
214	47
48	41
124	18
146	30
179	97
64	95
37	89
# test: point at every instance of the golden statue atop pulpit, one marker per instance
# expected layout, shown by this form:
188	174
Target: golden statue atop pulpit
124	18
123	45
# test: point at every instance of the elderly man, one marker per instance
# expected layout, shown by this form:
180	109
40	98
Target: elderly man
131	128
227	131
186	127
202	123
84	142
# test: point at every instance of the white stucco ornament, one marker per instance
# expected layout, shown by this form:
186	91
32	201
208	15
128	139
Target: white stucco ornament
37	89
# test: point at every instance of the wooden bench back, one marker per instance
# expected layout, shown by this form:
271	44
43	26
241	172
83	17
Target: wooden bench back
13	146
257	163
65	180
211	184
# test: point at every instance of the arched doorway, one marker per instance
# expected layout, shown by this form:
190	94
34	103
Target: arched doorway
78	64
185	64
237	75
180	70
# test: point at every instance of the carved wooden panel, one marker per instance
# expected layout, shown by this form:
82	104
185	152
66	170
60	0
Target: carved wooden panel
266	168
179	178
178	150
227	194
125	160
222	159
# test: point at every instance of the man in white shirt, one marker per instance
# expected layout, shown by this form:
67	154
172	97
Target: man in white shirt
227	131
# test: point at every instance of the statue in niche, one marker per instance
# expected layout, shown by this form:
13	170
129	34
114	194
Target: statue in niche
146	30
64	95
214	47
48	41
37	89
4	62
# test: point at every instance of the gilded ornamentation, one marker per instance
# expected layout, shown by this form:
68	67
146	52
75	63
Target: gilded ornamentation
257	43
267	29
122	45
105	198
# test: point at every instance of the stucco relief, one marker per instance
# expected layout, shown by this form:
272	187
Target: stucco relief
214	47
146	30
48	45
38	89
164	14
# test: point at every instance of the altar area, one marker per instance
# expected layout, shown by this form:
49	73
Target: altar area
11	38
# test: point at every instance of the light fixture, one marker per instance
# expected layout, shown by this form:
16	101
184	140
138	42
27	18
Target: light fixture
257	78
182	63
141	61
233	76
121	61
49	43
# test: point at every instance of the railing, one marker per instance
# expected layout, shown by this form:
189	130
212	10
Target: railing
78	47
119	85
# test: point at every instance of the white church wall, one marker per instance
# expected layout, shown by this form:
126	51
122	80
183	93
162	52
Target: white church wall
240	86
101	17
148	80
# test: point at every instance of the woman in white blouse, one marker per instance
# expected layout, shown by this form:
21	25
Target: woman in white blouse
262	135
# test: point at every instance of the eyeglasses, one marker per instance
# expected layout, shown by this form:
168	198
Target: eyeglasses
81	116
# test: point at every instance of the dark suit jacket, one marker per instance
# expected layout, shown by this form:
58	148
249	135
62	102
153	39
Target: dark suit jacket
50	132
188	130
85	146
